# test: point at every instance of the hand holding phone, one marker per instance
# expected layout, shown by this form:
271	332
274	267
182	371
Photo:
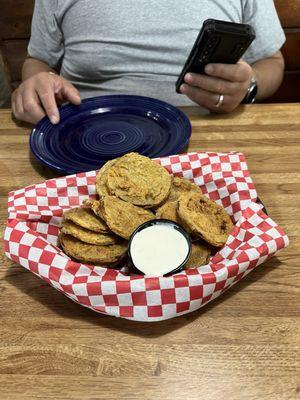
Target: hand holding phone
221	44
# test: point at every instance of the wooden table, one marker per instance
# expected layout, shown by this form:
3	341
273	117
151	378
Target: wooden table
244	345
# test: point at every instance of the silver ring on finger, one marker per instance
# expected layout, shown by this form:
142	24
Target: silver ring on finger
220	101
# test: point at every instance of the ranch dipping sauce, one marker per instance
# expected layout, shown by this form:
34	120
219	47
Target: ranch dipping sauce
159	247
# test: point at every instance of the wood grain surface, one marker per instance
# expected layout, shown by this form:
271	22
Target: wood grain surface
244	345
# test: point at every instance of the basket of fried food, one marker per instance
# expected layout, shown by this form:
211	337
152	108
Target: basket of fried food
133	190
83	245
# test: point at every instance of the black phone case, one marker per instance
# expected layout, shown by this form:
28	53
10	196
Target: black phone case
217	42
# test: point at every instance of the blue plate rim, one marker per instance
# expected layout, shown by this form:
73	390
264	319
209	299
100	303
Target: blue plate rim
90	100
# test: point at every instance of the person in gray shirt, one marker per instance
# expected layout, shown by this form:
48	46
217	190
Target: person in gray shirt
83	48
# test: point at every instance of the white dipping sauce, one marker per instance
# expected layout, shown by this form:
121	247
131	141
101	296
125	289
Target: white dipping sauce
158	249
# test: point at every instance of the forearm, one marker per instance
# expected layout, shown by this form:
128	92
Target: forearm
33	66
268	74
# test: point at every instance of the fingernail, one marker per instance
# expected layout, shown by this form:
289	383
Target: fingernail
188	77
54	119
183	88
209	69
77	99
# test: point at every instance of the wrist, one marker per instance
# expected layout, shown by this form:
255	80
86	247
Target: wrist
33	67
251	93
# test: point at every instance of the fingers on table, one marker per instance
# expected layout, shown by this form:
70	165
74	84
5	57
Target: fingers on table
46	94
32	106
26	107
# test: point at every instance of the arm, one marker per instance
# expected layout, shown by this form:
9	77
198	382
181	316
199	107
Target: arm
268	82
232	81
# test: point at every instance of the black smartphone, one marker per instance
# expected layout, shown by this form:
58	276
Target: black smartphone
218	42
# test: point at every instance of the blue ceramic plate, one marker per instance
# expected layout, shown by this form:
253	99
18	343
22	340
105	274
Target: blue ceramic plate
105	127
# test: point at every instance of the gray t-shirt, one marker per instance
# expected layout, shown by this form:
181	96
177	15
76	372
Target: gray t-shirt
138	46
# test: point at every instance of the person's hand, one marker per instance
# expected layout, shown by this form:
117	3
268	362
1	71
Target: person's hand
38	96
228	80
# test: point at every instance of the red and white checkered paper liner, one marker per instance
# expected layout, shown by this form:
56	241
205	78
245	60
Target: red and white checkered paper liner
35	214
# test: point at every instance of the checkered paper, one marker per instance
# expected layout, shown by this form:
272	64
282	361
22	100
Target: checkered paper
35	213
